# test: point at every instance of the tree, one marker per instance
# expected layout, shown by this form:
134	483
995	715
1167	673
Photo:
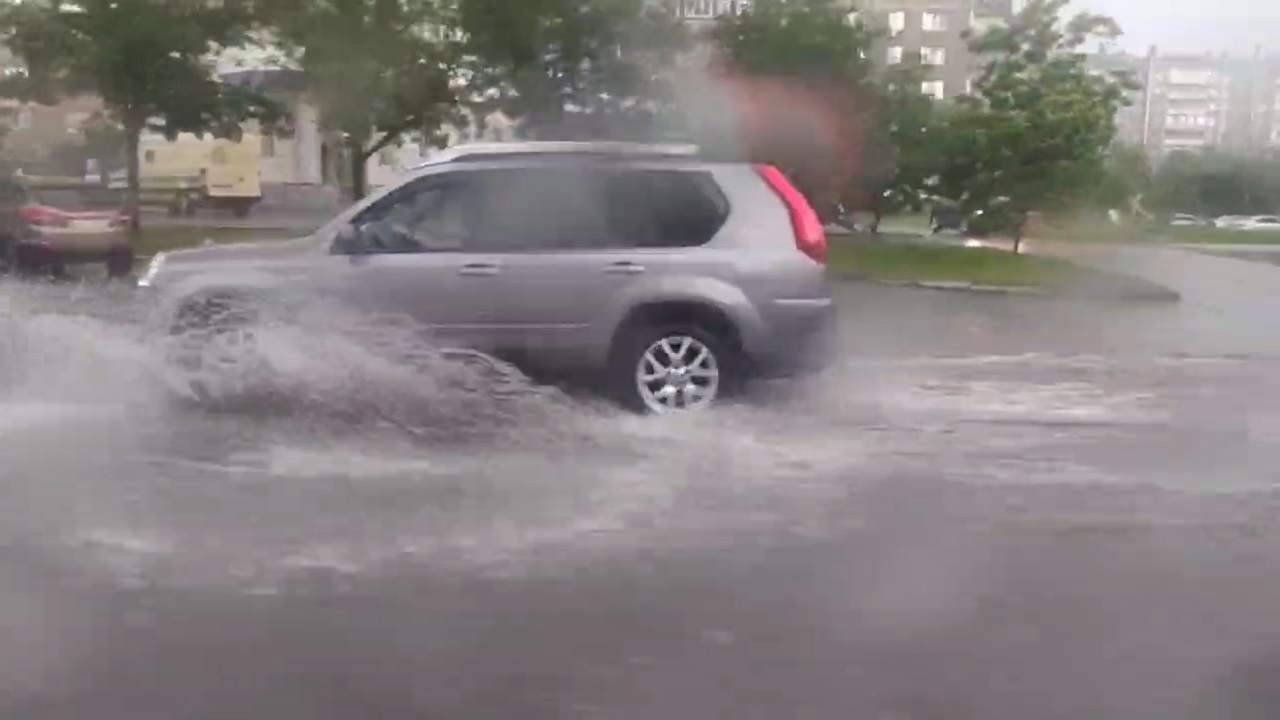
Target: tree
903	148
376	69
1216	184
1035	136
802	86
599	69
149	60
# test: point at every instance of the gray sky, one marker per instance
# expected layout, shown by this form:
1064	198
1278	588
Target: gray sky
1234	26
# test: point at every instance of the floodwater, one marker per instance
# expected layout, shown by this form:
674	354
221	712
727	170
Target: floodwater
989	508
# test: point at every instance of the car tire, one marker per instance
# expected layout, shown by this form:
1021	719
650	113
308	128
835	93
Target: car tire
119	263
212	347
671	375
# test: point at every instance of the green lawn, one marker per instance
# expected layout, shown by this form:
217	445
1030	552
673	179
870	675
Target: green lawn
155	240
861	256
1222	236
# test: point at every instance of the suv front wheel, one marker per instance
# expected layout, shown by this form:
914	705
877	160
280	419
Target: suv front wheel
672	368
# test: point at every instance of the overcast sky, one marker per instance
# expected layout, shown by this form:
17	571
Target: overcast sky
1234	26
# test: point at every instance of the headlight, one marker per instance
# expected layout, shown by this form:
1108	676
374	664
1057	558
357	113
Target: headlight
153	269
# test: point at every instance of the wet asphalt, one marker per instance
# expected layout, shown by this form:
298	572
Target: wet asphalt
989	508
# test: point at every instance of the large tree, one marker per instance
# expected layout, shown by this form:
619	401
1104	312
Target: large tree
1035	136
574	68
378	70
903	146
151	62
802	83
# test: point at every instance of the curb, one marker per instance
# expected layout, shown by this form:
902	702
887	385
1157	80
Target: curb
950	286
1153	294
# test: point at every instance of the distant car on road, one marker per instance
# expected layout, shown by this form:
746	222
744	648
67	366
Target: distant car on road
1230	221
37	237
1186	220
1259	223
669	278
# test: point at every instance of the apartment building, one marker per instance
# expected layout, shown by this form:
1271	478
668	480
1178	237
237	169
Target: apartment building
1188	103
930	32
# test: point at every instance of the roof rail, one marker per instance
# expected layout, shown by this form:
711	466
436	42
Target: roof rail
482	151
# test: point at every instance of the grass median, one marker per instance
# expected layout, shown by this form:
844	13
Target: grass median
164	239
862	256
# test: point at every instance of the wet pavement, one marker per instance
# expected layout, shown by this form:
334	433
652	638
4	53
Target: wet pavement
990	508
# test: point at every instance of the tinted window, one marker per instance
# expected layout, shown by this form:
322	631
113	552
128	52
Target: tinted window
435	214
665	208
541	209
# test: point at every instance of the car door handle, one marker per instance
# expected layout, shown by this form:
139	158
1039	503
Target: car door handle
479	270
624	268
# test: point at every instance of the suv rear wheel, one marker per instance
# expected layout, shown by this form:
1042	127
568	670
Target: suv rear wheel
672	368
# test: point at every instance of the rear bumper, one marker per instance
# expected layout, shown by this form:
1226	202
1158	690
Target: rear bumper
800	341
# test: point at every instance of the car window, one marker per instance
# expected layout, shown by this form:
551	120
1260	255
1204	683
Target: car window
542	209
434	214
664	208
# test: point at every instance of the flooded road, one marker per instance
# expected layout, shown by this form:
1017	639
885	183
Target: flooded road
988	509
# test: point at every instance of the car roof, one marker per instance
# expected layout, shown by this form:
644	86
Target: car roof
555	149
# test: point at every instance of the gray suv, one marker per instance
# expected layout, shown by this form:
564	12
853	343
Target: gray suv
667	279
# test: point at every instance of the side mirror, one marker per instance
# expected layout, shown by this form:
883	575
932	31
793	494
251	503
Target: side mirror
350	241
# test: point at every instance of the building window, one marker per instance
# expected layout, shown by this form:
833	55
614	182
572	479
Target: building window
699	8
933	22
936	89
895	55
268	146
933	56
897	22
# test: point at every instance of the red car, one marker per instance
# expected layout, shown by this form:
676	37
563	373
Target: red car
38	238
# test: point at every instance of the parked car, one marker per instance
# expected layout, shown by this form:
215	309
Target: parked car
1259	223
36	237
669	278
1187	220
1230	221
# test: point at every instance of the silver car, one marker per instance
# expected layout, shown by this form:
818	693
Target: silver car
667	279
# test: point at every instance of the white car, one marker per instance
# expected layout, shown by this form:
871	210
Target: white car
1184	220
1230	221
1259	223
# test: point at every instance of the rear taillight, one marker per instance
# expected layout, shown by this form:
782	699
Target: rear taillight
41	216
810	238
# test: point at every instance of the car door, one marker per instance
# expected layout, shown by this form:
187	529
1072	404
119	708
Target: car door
415	257
570	239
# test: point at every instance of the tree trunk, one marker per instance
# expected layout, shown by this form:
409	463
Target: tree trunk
133	172
1019	229
358	160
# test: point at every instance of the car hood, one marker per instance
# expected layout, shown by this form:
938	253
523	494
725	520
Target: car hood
247	252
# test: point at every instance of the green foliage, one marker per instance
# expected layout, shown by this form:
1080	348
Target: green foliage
1036	136
573	68
376	69
904	146
805	90
149	61
1126	177
804	39
1216	184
